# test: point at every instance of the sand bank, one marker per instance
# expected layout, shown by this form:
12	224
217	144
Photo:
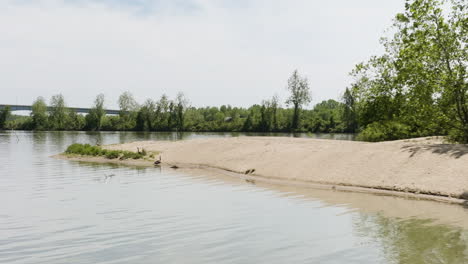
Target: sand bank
423	166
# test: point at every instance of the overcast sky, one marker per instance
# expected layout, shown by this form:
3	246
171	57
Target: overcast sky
217	52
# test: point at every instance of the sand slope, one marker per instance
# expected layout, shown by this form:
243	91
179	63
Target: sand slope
423	165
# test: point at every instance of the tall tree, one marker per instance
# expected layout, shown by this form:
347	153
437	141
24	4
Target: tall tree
269	114
162	113
274	105
181	104
39	114
349	112
97	112
146	116
4	114
58	115
128	107
300	95
420	82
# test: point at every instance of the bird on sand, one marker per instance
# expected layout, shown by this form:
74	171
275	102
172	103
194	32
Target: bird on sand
158	162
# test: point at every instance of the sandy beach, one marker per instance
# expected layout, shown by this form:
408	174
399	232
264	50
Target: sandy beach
423	166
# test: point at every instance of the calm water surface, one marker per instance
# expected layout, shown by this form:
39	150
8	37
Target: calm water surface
55	211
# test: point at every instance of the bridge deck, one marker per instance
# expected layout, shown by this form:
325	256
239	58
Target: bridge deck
75	109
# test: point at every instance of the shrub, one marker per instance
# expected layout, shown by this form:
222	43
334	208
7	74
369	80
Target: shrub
88	150
381	131
458	136
112	154
131	155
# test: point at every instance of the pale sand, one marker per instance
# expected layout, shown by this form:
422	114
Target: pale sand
421	166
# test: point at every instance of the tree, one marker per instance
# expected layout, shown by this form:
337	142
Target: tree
58	115
269	115
419	85
431	63
128	107
97	112
349	112
146	116
162	113
326	117
127	103
299	96
274	105
181	104
39	114
76	121
4	114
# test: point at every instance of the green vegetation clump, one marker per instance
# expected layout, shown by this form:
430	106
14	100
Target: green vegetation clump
4	114
89	150
131	155
380	131
85	150
112	154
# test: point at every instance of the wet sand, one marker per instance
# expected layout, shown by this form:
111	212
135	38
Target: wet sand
424	167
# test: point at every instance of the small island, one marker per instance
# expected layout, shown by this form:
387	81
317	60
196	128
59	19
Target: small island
424	168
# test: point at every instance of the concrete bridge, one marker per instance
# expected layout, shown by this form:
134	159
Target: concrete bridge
49	108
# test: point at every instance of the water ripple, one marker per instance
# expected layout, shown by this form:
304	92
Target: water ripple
56	211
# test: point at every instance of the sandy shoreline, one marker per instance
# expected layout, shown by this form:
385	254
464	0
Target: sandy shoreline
421	168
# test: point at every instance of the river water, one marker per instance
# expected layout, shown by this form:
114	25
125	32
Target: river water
56	211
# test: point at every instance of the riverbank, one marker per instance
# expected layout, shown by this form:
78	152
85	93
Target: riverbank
423	167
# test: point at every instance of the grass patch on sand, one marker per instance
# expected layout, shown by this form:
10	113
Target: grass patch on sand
97	151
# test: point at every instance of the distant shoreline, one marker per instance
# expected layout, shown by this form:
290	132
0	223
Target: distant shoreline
423	168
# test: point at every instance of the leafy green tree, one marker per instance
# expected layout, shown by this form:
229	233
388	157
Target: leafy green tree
146	116
180	107
76	121
97	112
4	114
128	107
162	113
274	105
349	112
58	117
269	115
299	96
39	114
420	83
326	117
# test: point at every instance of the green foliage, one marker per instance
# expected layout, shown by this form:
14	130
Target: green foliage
4	115
420	81
84	149
96	114
58	117
326	117
131	155
382	131
168	115
89	150
349	114
299	96
39	115
112	154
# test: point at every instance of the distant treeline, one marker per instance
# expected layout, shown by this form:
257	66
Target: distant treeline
418	87
176	115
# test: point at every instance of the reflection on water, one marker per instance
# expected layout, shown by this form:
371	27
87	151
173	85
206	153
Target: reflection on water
56	211
415	240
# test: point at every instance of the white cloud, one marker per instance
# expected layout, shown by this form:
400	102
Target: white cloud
218	52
